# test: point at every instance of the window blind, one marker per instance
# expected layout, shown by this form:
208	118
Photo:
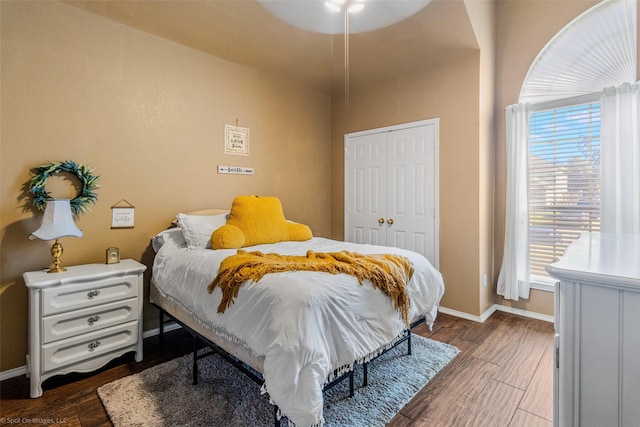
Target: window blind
596	50
564	180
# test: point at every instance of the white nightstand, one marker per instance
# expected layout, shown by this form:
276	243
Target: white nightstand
82	318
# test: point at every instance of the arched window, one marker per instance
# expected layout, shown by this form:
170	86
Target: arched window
554	142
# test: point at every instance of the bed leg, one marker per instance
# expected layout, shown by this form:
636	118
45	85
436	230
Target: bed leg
365	374
409	342
276	421
351	388
195	360
161	328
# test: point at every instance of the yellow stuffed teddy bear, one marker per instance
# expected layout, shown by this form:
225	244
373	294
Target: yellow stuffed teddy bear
256	220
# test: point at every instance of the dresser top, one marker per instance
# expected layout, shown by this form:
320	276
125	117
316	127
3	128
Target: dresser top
604	258
76	273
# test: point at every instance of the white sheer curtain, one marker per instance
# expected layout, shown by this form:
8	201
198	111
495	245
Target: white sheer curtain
514	280
620	160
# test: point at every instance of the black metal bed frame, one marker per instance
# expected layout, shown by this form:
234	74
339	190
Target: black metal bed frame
257	376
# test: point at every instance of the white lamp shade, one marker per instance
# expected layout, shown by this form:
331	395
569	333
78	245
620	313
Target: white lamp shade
57	221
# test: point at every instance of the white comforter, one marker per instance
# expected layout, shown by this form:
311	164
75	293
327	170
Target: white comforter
305	324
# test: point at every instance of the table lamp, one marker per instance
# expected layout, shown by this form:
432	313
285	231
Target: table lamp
57	222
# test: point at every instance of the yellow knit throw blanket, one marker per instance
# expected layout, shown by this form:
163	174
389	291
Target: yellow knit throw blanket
389	273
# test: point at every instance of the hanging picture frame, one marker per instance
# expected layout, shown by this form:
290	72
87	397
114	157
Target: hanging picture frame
236	140
122	215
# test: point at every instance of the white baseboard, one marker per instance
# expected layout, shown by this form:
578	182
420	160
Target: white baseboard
153	332
496	307
464	315
12	373
525	313
22	370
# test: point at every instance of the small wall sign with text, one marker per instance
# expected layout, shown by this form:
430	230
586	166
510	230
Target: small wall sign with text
122	214
235	170
236	140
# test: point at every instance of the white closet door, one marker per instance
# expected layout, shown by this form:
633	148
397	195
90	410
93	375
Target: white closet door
366	180
391	187
411	190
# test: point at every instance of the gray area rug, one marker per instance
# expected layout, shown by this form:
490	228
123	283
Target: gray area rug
164	395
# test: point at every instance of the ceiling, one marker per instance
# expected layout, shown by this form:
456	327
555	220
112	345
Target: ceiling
244	32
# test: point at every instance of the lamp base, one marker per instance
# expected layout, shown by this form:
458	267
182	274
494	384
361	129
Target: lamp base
56	252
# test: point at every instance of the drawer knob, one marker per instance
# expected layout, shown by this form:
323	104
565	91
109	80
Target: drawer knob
93	345
93	319
93	293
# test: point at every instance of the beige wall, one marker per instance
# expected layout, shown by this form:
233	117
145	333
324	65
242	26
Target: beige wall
148	115
450	93
482	18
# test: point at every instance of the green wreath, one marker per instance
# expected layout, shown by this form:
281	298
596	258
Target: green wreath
79	204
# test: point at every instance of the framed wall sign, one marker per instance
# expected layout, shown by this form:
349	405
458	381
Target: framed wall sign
236	140
122	215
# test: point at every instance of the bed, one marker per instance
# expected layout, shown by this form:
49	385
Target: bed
299	330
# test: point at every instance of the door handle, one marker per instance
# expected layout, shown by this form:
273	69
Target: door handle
380	220
390	221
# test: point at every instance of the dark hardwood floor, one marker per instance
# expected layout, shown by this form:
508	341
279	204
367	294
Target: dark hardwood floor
501	377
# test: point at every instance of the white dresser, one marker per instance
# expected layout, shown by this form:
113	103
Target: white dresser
82	318
597	323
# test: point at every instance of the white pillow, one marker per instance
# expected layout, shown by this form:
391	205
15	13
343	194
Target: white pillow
172	237
197	229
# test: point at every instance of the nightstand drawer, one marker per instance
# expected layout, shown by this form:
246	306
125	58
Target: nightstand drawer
69	324
81	348
59	299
